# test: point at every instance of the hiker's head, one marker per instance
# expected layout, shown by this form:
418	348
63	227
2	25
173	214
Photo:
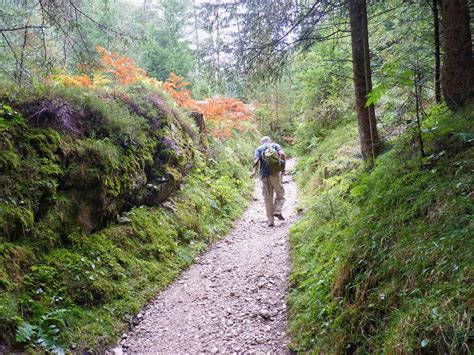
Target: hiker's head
266	139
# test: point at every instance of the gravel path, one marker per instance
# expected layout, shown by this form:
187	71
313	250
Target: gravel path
232	299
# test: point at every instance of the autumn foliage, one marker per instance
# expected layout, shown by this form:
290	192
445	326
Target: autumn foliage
177	88
123	69
222	113
73	80
113	68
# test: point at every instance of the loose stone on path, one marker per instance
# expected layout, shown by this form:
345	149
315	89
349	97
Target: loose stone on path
232	299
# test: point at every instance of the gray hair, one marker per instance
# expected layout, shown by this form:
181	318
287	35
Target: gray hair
266	139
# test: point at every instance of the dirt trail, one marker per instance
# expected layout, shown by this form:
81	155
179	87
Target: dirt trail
232	299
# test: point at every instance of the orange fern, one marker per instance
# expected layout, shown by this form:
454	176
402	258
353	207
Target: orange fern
176	87
123	68
223	113
72	80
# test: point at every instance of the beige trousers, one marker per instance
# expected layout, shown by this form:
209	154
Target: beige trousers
271	184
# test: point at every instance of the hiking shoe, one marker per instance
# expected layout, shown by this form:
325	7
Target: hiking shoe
279	216
271	224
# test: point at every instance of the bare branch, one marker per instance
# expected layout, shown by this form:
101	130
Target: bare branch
23	28
100	25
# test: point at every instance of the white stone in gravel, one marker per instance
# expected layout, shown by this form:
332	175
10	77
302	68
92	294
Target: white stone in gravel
264	313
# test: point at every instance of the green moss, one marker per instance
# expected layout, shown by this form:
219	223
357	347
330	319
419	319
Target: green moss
84	239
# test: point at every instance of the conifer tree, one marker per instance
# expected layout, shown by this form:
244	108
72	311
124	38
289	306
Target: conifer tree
458	73
362	78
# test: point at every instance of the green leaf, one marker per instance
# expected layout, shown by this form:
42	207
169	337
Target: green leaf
7	108
359	190
375	95
424	342
25	332
406	77
466	137
3	123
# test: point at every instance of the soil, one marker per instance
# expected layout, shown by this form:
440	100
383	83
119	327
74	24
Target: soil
232	299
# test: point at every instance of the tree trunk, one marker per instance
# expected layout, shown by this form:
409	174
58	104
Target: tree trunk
458	73
217	42
201	125
196	36
369	139
437	72
368	78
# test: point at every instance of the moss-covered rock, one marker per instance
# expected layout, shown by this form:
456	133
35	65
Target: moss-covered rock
85	240
103	152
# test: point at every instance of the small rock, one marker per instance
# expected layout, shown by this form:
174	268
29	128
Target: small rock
214	350
117	351
236	348
264	313
124	220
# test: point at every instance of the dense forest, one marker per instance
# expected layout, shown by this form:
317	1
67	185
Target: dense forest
127	132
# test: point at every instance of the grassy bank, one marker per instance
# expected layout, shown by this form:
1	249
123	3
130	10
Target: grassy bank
383	256
105	198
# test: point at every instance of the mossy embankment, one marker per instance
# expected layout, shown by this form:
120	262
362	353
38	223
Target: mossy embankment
104	198
383	256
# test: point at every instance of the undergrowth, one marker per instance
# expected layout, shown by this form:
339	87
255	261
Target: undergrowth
383	256
86	238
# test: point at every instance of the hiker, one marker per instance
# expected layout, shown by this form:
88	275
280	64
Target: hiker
271	159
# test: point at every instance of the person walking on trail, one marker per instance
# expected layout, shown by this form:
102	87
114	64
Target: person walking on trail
271	160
